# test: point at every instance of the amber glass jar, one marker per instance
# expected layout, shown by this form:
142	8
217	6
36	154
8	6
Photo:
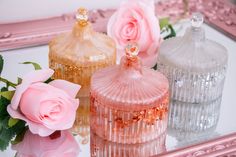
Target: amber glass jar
76	55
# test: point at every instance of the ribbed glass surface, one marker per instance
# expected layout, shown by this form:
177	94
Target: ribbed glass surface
82	122
76	55
195	97
128	126
193	136
103	148
194	117
77	74
194	87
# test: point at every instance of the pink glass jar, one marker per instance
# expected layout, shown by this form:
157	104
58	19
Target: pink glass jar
129	102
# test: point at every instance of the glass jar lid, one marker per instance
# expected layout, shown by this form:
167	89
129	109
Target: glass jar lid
193	51
129	85
83	46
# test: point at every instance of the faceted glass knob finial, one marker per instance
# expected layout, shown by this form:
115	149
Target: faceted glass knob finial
132	50
82	16
197	20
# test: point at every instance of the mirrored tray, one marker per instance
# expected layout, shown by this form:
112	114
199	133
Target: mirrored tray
221	139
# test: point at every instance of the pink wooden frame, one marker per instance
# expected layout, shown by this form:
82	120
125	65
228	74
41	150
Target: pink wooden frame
222	146
39	32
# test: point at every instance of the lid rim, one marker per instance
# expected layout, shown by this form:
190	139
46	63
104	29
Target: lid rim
119	105
138	93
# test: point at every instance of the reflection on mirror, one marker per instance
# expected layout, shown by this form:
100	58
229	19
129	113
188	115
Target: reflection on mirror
129	109
58	144
82	123
103	148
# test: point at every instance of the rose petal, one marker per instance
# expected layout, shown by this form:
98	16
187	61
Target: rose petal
15	114
71	88
38	116
30	102
38	76
34	76
144	41
149	60
33	97
52	110
35	128
39	129
67	121
20	89
152	21
42	93
146	32
37	146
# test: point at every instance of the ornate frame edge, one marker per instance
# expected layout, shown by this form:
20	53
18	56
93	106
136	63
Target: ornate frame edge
24	34
224	145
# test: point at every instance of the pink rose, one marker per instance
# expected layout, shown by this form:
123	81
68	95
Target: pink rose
135	21
37	146
45	107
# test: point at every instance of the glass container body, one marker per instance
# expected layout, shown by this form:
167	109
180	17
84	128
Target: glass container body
195	97
80	74
196	70
75	56
129	126
130	104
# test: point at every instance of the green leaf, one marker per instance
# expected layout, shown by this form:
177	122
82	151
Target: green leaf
19	80
3	89
3	106
3	145
36	65
3	109
7	94
19	137
172	33
164	22
155	67
49	80
12	122
8	83
1	63
7	134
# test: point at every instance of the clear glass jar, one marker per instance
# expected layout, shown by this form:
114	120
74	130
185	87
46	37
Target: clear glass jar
129	104
196	69
76	55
